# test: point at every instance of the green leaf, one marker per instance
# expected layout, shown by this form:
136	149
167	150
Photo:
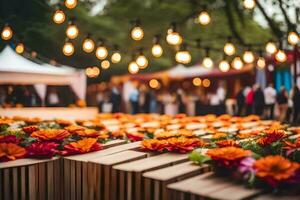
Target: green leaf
199	158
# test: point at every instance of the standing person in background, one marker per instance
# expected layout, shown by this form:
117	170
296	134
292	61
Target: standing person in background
270	99
134	100
240	102
180	98
115	99
249	100
52	99
296	104
221	93
282	100
258	100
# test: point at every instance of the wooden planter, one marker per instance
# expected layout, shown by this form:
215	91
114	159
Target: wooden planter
30	179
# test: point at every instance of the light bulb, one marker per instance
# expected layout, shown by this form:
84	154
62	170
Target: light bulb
224	66
59	17
88	45
249	4
101	52
293	38
153	83
280	56
157	50
206	83
72	31
20	48
7	33
237	63
197	81
70	3
204	18
137	33
92	72
261	63
68	49
142	61
271	47
173	38
133	68
207	62
248	57
183	57
116	57
105	64
229	49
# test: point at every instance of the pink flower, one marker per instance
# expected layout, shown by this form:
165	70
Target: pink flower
9	139
42	149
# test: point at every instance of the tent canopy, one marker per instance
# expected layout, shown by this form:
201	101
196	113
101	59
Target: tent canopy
16	69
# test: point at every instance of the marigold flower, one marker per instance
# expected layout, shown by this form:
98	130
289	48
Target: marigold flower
82	146
11	151
219	136
274	169
34	120
154	145
88	133
42	149
73	128
50	134
135	136
63	122
227	143
30	129
271	136
184	145
5	121
118	134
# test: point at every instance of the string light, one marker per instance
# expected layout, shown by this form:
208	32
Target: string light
116	57
249	4
207	61
237	63
156	50
59	16
137	33
88	45
224	66
70	3
229	48
101	51
68	48
280	56
204	18
293	38
105	64
197	81
153	83
20	48
133	68
271	47
92	72
72	31
248	56
141	60
183	55
261	62
6	33
173	37
206	83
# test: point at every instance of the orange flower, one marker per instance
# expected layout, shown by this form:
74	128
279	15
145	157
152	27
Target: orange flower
73	128
228	157
271	136
10	151
184	145
87	133
30	129
63	122
227	143
50	134
82	146
154	145
103	135
118	134
274	169
219	135
248	135
5	121
34	120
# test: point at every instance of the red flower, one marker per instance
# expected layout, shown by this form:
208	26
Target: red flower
42	149
135	136
270	137
9	139
30	129
227	143
82	146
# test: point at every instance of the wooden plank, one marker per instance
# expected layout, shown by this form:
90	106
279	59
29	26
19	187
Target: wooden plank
78	180
72	179
15	180
24	162
50	180
32	183
277	197
6	184
42	180
1	184
66	179
23	184
84	181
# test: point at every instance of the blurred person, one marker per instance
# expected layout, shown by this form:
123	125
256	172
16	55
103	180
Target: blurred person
240	102
180	99
115	99
153	107
169	101
134	100
3	96
258	100
270	100
214	102
249	93
144	99
100	100
282	101
296	104
221	92
52	99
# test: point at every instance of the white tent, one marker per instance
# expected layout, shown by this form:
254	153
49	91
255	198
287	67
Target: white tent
16	69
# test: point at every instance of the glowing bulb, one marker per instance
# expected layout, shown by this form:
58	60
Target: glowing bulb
153	83
237	63
207	62
105	64
197	81
183	57
229	49
133	68
271	48
7	33
248	57
68	49
206	83
142	61
20	48
137	33
249	4
157	50
92	72
261	63
101	52
224	66
204	18
72	31
88	45
59	17
293	38
173	38
70	3
116	57
280	56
